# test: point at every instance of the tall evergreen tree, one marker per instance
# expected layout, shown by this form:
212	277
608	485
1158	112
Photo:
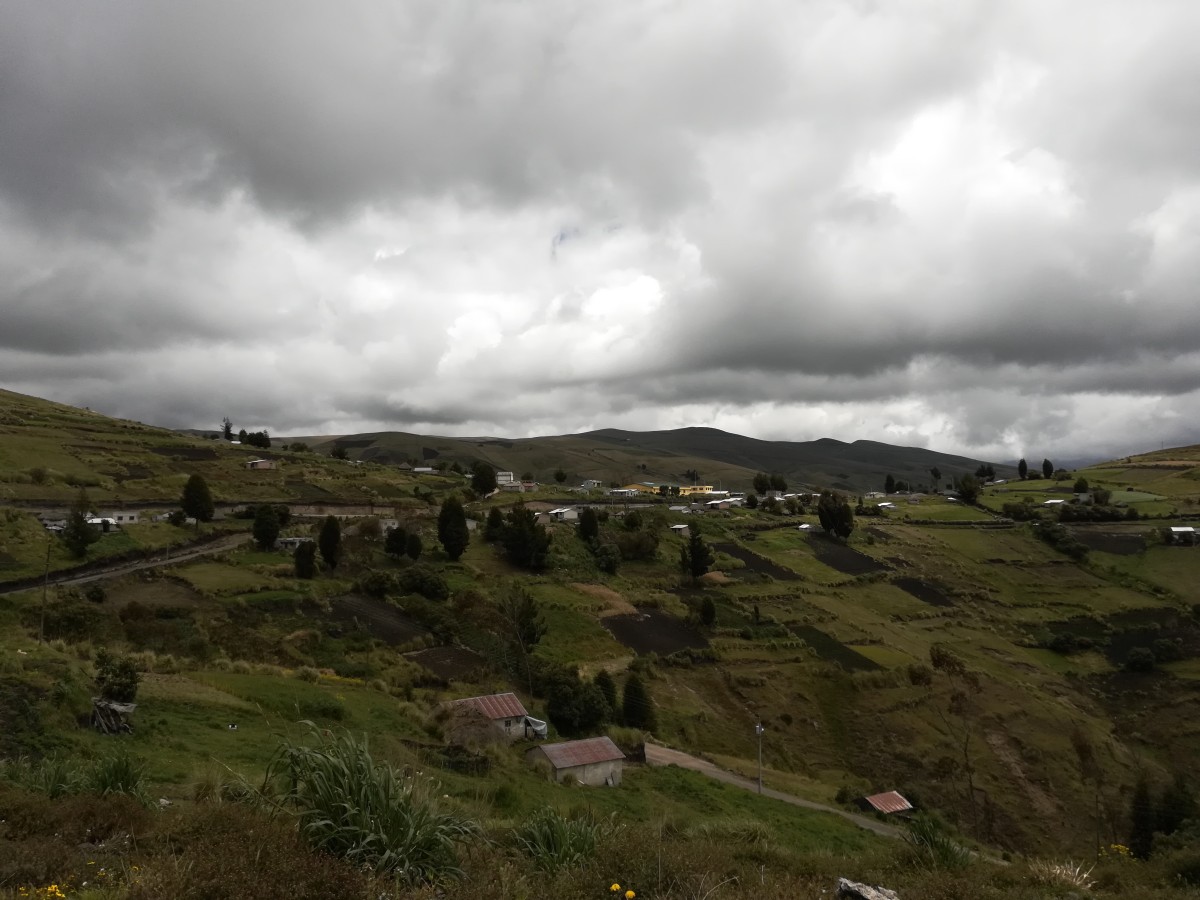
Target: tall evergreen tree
305	560
266	526
227	429
483	479
452	527
695	556
889	484
708	612
77	534
526	543
1047	469
605	684
936	474
493	528
762	483
637	708
588	528
413	546
329	541
1142	816
1023	468
196	501
395	542
560	475
835	514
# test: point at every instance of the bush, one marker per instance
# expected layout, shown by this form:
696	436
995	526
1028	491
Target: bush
366	812
421	579
1140	659
116	677
553	841
932	848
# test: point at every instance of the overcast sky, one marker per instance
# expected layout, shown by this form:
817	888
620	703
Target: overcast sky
969	225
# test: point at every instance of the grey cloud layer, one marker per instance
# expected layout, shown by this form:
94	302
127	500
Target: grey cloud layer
975	225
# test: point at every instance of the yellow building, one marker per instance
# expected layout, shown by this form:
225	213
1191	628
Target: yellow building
689	489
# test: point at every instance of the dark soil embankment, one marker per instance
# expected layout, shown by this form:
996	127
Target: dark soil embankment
379	619
923	591
755	563
450	663
654	631
832	650
844	559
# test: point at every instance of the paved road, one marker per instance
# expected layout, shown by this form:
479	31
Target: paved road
664	756
165	559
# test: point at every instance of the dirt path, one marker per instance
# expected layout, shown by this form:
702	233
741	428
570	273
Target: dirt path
165	559
663	756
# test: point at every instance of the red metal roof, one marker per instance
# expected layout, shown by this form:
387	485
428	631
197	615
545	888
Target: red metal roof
496	706
582	753
889	802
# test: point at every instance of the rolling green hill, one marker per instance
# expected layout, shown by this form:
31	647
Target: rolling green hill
991	671
623	457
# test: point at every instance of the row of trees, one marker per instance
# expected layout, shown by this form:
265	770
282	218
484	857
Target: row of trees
253	438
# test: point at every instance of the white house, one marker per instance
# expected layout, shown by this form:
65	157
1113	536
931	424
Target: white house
290	543
592	484
122	517
678	528
261	464
623	492
1053	502
505	478
594	761
564	514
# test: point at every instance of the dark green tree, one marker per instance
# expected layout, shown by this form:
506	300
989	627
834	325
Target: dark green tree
835	515
304	559
266	526
608	558
573	705
521	624
413	546
227	428
1023	468
526	544
936	474
452	529
695	556
1081	485
968	488
242	436
339	452
889	484
483	479
752	501
1047	469
329	541
588	528
1142	820
395	542
1176	806
196	501
604	682
560	476
637	707
762	483
708	612
77	534
778	482
493	529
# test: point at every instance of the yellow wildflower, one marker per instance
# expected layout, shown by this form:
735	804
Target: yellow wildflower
616	887
629	895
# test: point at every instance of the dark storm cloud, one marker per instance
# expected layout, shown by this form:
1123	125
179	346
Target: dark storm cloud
973	225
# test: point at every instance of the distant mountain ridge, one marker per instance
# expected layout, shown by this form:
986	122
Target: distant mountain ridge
615	455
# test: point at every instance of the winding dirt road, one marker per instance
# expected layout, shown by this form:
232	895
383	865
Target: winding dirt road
166	558
664	756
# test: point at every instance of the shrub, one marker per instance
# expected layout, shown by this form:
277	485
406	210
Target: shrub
367	812
932	848
554	841
116	677
1140	659
120	773
421	579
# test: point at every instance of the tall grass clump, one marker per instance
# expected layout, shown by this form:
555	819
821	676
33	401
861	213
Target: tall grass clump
348	805
932	848
554	841
53	776
120	773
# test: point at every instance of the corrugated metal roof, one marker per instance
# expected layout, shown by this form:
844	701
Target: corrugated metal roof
889	802
496	706
582	753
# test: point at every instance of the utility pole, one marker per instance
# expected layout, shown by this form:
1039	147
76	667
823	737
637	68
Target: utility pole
758	729
45	587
